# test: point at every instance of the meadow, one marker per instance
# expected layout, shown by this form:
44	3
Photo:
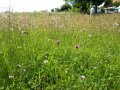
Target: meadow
59	51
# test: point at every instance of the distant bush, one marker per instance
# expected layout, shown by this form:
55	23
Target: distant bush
65	7
74	9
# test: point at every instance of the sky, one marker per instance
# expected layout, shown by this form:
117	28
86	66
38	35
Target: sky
29	5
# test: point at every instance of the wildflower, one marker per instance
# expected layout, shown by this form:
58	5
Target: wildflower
82	77
77	46
95	68
46	61
89	35
24	70
11	77
58	42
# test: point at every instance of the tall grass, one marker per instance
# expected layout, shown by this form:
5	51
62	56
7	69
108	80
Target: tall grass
60	51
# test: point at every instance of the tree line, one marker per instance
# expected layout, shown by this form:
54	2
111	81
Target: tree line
82	6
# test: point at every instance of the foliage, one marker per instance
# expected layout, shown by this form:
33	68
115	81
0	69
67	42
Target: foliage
84	5
65	7
116	4
57	10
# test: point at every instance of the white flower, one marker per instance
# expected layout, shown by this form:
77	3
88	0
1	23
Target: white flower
46	61
82	77
89	36
95	68
11	77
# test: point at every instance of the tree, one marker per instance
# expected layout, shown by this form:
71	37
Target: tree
85	4
65	7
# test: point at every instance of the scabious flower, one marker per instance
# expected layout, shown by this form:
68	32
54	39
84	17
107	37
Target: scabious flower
82	77
46	61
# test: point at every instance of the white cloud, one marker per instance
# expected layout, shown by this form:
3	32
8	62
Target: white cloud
31	5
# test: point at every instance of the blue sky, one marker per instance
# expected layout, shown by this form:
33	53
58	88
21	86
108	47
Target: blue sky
30	5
